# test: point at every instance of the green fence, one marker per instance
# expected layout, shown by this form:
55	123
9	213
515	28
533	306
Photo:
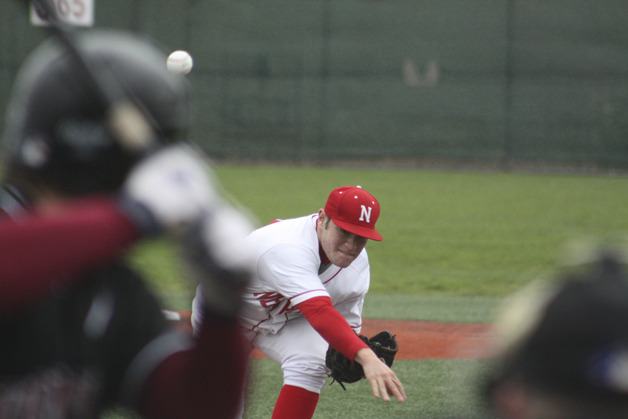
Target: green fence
494	82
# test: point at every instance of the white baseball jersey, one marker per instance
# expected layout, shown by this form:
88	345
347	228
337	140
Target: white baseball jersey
287	273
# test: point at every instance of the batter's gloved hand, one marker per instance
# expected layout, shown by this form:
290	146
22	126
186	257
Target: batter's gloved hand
219	258
169	190
343	370
174	190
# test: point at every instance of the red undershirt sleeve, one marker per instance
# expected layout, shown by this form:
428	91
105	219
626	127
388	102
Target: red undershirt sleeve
330	324
39	253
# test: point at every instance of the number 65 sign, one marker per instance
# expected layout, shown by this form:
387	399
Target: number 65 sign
72	12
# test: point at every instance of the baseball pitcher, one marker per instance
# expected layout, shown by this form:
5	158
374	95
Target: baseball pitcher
311	277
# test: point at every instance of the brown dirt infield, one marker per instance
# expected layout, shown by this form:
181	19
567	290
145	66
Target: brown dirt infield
433	340
420	339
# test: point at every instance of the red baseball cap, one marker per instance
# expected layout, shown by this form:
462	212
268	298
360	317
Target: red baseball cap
355	210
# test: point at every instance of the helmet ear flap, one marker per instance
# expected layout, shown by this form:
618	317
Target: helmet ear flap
87	137
80	146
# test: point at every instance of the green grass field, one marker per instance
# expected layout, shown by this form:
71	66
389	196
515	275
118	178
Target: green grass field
455	243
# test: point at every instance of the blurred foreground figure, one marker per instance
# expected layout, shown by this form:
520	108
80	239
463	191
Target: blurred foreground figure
81	331
561	348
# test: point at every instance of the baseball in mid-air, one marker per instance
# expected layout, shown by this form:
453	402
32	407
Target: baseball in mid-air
180	62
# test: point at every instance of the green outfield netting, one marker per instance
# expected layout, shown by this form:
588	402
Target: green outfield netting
495	82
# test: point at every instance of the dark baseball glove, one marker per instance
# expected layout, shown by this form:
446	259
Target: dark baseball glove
342	370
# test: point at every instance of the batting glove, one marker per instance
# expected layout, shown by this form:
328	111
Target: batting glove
219	257
169	190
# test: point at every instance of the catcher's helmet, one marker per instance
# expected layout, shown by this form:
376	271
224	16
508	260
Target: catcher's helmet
57	132
567	337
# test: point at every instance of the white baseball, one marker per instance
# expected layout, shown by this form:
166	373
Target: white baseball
180	62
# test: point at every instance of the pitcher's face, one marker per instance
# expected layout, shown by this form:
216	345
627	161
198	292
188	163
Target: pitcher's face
340	246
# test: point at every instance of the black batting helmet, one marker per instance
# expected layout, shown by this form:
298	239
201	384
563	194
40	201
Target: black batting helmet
57	132
568	337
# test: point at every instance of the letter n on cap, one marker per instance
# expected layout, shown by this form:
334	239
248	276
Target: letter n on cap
365	213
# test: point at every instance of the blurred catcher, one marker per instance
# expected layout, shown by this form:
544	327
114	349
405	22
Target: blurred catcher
83	334
561	347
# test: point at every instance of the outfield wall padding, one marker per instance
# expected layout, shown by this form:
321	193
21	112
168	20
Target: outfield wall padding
497	82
